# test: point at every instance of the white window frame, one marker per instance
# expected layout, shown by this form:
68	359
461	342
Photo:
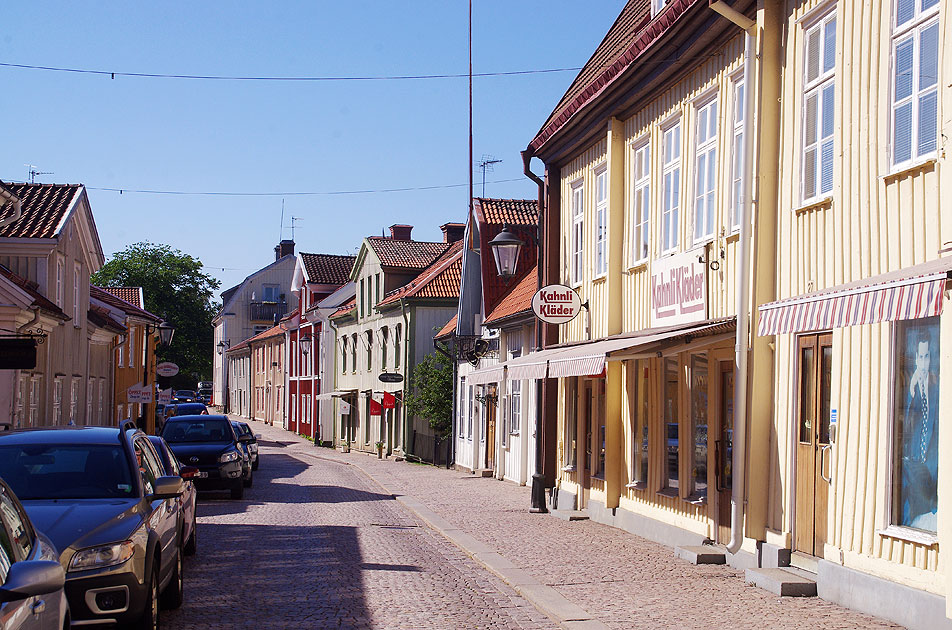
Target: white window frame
705	167
671	188
471	413
640	201
36	384
818	87
90	388
601	222
577	210
77	296
911	31
657	6
738	148
60	281
58	400
73	399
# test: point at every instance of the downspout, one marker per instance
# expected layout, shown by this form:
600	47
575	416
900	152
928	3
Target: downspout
538	479
36	318
331	323
741	344
407	369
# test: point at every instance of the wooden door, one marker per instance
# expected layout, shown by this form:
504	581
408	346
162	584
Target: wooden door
490	407
814	371
723	450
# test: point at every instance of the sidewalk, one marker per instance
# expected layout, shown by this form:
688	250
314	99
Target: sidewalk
582	574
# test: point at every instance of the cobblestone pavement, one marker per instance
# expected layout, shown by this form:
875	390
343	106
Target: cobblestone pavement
314	544
622	580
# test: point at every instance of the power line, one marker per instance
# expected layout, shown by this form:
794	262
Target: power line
223	193
213	77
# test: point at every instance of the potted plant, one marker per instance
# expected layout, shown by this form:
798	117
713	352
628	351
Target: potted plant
379	446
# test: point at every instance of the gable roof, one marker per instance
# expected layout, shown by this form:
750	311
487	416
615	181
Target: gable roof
274	331
506	211
101	318
447	330
106	295
228	295
44	208
441	279
405	254
132	295
516	302
345	308
31	288
327	268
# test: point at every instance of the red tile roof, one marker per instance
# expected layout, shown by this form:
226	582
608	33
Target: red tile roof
327	268
104	294
274	331
132	295
43	207
517	301
6	205
345	308
439	280
99	317
405	254
447	330
507	211
39	300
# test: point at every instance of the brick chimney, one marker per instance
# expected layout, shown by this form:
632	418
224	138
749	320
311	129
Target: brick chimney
453	232
284	248
400	232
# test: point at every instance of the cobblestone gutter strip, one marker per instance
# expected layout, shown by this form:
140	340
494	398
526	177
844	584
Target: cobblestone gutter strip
545	598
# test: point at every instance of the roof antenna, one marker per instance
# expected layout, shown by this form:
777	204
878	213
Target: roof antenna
293	220
281	235
34	172
486	164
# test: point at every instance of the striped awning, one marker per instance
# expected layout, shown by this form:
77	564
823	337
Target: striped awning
909	294
529	366
491	374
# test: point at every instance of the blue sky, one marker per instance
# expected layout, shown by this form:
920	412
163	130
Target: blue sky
187	135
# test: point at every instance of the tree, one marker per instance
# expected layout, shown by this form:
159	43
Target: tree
430	393
175	289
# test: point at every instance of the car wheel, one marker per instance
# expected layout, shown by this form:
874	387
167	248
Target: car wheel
149	618
250	479
175	589
191	545
238	491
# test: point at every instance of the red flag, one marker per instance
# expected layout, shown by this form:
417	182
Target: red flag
389	400
375	408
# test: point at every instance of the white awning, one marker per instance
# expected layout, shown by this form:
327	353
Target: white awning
334	394
528	366
492	374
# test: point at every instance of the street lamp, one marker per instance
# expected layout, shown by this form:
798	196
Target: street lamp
506	247
305	342
165	330
221	347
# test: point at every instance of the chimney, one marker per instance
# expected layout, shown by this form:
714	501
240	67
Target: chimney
284	248
453	232
400	232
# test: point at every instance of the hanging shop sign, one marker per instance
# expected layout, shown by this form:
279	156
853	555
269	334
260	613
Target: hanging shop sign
389	400
139	394
165	397
556	304
344	408
166	369
17	353
679	288
375	408
390	377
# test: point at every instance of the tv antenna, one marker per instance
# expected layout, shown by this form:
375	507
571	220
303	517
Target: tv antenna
293	220
34	172
281	235
486	164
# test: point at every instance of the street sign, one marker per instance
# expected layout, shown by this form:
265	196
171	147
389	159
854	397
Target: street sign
166	369
556	304
390	377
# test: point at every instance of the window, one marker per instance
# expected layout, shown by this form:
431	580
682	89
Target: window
514	342
640	203
384	341
698	395
737	159
121	351
377	287
270	293
671	188
915	63
657	6
818	88
77	296
90	390
916	424
472	412
601	222
396	347
638	414
671	428
461	407
353	353
16	537
73	400
343	355
60	280
578	233
36	385
99	408
571	423
705	177
597	402
370	350
58	400
21	394
131	346
361	297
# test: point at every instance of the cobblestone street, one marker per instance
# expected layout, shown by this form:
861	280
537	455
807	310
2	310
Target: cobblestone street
319	542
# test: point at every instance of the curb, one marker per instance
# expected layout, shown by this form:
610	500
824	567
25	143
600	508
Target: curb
544	598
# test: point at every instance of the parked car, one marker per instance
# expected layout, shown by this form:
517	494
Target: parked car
184	395
242	428
189	497
104	499
31	577
209	442
186	409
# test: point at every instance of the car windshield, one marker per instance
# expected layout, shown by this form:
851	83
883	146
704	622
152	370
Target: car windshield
66	471
197	430
240	429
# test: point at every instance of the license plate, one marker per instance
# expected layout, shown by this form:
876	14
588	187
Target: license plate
201	475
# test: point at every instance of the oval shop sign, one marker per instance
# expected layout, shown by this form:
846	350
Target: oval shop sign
556	304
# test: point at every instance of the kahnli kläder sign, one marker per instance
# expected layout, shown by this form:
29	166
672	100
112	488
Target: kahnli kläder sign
679	288
556	304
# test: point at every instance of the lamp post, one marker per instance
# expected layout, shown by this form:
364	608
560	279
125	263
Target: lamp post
166	331
305	345
222	347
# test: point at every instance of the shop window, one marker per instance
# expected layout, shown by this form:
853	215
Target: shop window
916	424
671	426
571	424
472	412
461	407
598	408
638	414
698	394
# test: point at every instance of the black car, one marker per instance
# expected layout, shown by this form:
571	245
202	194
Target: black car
185	395
186	409
209	442
242	428
102	496
188	500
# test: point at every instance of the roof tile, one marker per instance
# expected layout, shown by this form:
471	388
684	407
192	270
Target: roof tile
441	279
507	211
105	294
405	254
43	208
39	299
327	268
126	294
517	301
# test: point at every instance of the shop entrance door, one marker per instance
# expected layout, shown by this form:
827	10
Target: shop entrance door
723	451
814	370
490	407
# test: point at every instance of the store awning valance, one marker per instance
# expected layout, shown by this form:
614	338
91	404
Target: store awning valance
335	394
910	293
491	374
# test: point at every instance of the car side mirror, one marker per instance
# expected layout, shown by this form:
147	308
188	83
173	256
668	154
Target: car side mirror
188	472
245	438
29	578
168	487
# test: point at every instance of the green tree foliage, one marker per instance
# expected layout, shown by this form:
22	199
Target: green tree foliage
430	393
175	289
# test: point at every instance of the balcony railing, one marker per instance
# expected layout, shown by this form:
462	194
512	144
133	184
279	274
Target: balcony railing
266	311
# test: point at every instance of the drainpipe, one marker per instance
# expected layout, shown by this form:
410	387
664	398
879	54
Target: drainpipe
538	479
408	370
36	317
741	351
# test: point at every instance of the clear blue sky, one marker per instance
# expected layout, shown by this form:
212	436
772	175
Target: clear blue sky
188	135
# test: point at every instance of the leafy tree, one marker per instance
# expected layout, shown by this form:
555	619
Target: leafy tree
175	289
430	394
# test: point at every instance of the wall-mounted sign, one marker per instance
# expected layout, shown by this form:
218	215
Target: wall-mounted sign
139	394
166	369
17	353
556	304
165	397
390	377
344	408
679	288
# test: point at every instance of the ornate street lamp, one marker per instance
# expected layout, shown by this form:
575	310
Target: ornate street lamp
305	342
166	330
506	247
222	346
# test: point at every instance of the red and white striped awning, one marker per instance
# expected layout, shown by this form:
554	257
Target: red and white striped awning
491	374
896	296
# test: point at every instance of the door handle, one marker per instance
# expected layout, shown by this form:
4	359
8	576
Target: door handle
38	607
823	451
